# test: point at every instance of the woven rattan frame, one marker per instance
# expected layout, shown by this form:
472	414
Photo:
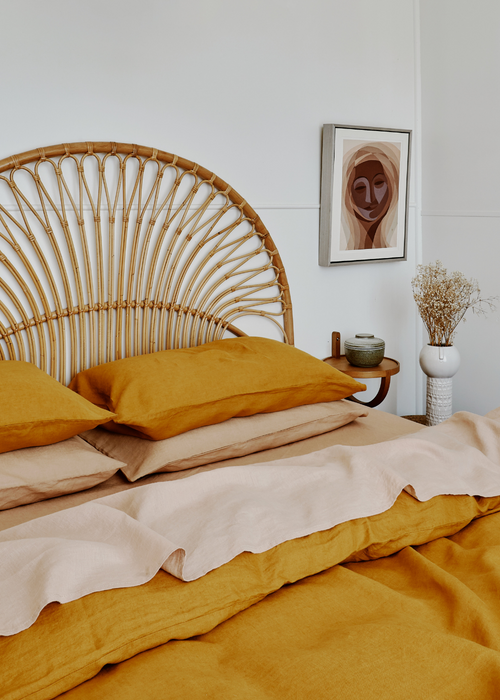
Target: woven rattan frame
109	250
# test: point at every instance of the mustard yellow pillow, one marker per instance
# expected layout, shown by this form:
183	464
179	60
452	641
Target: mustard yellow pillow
167	393
36	409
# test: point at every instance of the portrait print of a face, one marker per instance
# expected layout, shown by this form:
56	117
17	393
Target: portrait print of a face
370	184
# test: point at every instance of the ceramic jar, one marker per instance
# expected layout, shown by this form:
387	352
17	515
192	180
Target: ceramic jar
364	350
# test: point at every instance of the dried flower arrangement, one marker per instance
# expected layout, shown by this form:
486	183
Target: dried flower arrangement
443	300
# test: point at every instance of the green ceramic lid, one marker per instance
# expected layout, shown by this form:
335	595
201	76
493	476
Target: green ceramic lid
364	341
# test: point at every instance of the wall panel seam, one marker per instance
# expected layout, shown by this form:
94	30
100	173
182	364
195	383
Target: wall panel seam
462	214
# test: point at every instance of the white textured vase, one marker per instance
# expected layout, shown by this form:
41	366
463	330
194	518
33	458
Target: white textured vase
440	364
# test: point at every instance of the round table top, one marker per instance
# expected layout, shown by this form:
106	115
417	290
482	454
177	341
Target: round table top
386	368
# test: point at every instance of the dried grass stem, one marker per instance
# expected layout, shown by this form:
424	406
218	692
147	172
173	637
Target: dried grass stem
444	298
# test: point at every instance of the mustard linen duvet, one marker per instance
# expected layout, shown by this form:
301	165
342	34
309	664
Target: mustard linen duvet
420	620
421	623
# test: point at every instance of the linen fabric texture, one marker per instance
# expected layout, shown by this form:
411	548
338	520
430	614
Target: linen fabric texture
192	526
376	427
235	437
38	410
35	473
409	601
167	393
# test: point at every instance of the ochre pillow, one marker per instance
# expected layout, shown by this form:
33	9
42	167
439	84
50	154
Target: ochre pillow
36	409
36	473
235	437
166	393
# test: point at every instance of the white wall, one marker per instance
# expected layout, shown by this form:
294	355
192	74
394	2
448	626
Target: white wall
461	173
242	88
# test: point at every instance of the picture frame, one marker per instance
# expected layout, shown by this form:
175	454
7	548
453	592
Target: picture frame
364	194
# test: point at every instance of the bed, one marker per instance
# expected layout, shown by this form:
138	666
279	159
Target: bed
259	537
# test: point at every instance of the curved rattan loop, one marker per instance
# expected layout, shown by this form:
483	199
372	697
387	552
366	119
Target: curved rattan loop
109	250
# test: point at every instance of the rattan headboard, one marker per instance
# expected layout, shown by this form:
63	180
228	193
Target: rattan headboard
109	250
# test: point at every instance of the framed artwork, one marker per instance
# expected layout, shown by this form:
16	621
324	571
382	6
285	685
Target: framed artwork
364	194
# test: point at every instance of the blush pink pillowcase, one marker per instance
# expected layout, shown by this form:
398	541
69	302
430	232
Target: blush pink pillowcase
232	438
35	473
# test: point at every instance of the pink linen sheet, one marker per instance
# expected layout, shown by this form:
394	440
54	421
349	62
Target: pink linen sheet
191	526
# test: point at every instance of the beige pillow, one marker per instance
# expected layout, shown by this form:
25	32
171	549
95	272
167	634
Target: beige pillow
36	473
232	438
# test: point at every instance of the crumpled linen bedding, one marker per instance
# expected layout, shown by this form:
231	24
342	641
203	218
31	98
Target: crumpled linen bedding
326	636
376	427
421	624
193	526
120	642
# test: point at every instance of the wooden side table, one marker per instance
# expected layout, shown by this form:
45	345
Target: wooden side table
385	370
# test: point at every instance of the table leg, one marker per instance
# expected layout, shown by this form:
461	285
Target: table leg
382	393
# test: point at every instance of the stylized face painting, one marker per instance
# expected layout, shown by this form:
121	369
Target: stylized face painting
370	191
